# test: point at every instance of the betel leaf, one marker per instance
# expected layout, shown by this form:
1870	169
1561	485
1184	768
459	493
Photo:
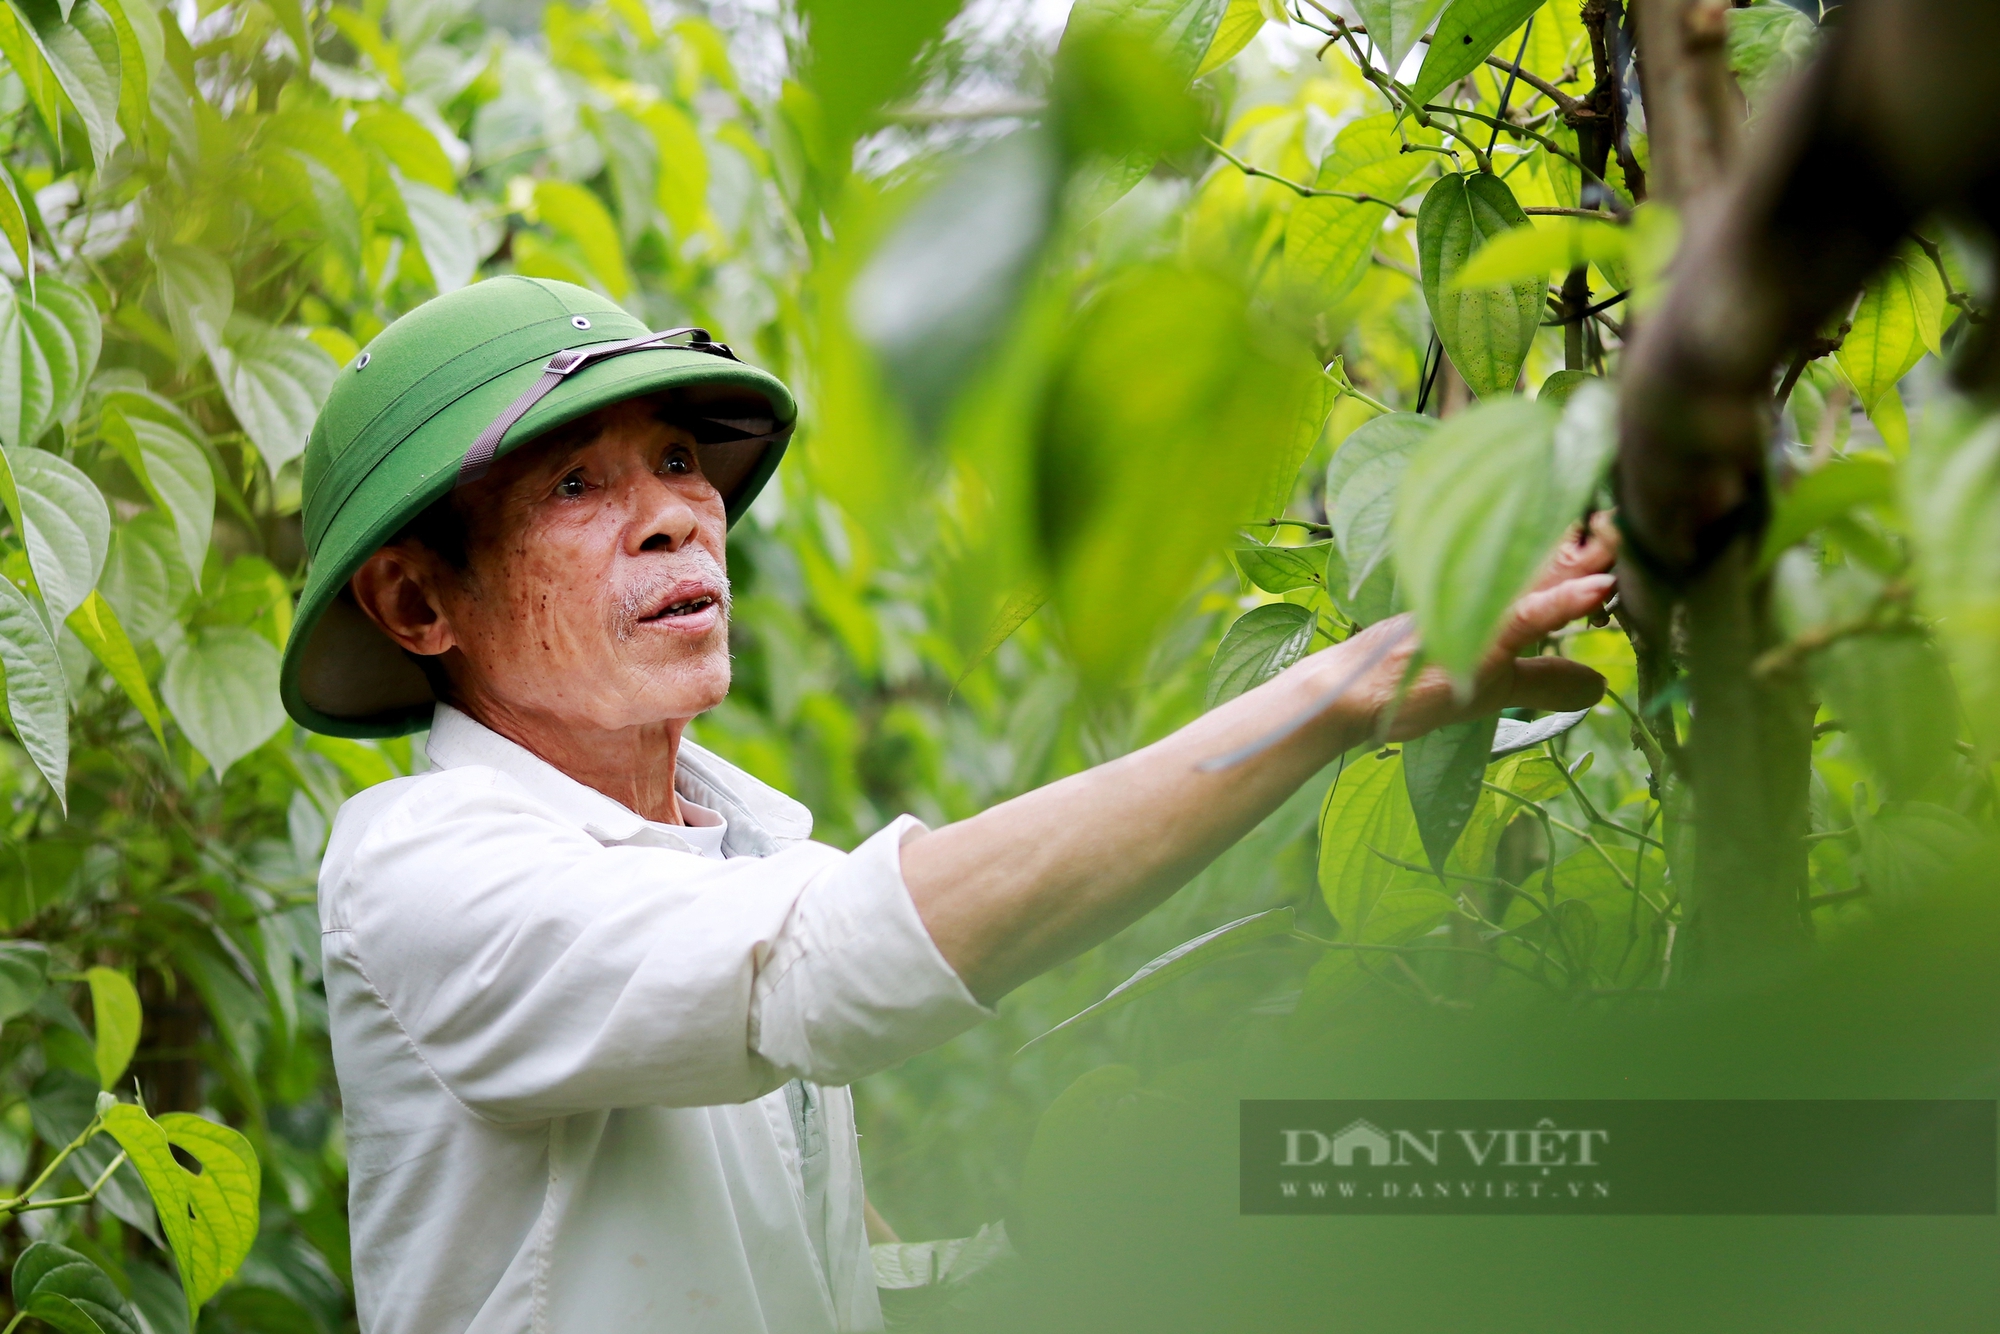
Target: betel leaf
1560	385
407	143
1895	696
1520	254
209	1218
37	695
1442	770
66	1291
198	294
1512	735
96	624
1262	642
1395	25
1329	242
68	527
445	234
1365	821
1475	518
1313	402
860	54
48	348
222	687
1361	483
24	976
1901	316
1465	36
83	55
682	188
172	467
114	1004
1181	960
22	48
275	382
1586	440
14	223
1826	493
1767	41
1281	569
145	579
1375	600
1487	331
1908	847
1240	24
141	49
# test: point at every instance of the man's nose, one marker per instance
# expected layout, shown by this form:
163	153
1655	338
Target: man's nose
662	519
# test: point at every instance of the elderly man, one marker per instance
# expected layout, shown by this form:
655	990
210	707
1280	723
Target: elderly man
595	996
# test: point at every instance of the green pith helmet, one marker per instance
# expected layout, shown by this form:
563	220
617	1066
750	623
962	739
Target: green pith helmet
436	397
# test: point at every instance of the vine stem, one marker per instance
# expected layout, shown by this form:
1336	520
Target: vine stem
18	1203
1304	191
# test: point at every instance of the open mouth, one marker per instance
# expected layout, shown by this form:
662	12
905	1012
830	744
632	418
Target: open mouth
693	606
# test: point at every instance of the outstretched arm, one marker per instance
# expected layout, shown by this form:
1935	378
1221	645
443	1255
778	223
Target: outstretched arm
1017	889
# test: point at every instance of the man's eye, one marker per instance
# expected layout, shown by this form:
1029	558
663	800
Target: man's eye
679	462
571	486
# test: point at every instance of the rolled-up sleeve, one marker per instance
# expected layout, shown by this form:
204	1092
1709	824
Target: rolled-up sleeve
538	972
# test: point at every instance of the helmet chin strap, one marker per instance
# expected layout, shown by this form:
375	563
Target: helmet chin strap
479	456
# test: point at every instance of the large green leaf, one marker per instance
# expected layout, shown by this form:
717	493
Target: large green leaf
222	686
210	1217
1531	254
174	470
198	294
445	234
68	527
1477	514
1442	771
48	348
1330	242
68	1292
145	579
860	54
24	976
1826	493
96	624
1901	316
83	56
14	224
1183	30
1367	819
576	214
141	49
407	142
275	382
114	1004
1125	532
1465	36
1395	25
1952	493
1896	698
37	694
1261	643
1487	331
22	47
1181	960
1240	24
1281	569
1361	483
1910	846
1768	40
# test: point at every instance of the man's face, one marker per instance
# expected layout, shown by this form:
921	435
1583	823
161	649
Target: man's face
595	593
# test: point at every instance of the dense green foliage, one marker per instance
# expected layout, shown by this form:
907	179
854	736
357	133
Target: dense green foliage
1068	326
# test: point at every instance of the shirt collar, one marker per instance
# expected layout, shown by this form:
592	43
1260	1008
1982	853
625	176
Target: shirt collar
760	818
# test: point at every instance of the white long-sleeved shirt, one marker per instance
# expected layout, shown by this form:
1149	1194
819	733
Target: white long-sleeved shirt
564	1039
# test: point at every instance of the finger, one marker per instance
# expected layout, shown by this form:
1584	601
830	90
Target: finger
1581	552
1548	610
1555	684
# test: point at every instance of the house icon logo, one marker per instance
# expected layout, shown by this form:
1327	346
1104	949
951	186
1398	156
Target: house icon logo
1366	1138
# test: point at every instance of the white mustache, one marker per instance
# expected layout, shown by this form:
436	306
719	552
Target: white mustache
644	599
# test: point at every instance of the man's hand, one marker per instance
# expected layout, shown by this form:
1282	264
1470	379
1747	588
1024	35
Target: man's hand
1016	890
1571	585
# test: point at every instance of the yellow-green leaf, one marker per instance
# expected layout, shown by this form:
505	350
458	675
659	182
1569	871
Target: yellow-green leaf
1901	316
1465	36
1486	330
96	624
1522	253
572	212
114	1006
210	1218
1241	23
407	143
14	222
683	167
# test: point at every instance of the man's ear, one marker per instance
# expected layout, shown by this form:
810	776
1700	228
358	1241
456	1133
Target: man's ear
398	588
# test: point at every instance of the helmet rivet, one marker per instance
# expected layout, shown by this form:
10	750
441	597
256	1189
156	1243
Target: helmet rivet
579	321
361	362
